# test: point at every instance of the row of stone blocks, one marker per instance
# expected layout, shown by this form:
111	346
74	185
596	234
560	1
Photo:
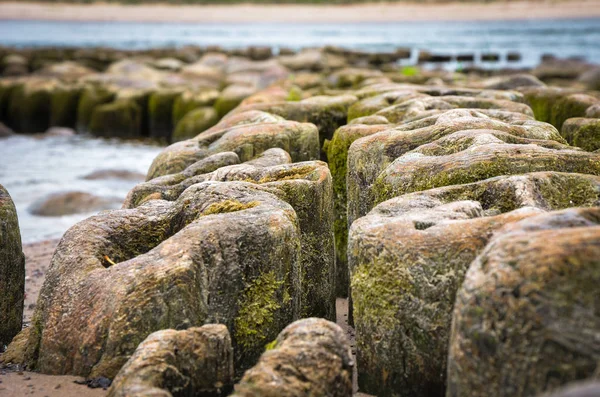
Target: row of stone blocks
454	288
236	227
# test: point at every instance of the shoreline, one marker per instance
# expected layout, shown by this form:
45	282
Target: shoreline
291	13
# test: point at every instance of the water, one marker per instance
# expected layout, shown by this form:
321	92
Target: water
531	38
32	168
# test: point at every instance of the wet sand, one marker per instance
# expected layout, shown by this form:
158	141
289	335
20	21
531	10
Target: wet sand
378	12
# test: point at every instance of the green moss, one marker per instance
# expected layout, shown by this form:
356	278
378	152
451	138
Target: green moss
257	306
225	104
566	108
63	106
376	290
194	123
295	94
228	206
160	114
6	89
588	137
29	108
409	71
271	345
90	98
568	191
188	101
121	118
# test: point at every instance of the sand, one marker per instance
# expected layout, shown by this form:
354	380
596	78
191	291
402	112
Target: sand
24	383
377	12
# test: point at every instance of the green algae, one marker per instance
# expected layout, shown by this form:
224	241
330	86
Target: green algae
227	206
257	307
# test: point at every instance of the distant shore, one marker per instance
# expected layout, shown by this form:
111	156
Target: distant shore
240	13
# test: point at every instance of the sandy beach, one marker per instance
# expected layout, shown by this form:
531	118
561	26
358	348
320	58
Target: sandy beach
380	12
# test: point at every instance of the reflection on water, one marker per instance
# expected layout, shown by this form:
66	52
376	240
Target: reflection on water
531	38
32	168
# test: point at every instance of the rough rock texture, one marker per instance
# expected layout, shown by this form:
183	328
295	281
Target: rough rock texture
326	112
555	105
12	271
196	361
119	276
310	357
408	257
458	146
337	157
247	134
526	319
307	186
582	132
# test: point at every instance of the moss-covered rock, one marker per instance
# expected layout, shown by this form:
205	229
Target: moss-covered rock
306	186
582	132
12	270
247	134
190	100
64	102
328	113
14	65
119	276
555	105
232	96
91	97
310	357
421	107
194	123
512	81
337	156
415	171
160	113
445	135
196	361
526	317
408	258
372	104
121	118
6	88
574	105
29	105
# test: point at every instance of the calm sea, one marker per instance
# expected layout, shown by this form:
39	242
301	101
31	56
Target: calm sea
532	38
